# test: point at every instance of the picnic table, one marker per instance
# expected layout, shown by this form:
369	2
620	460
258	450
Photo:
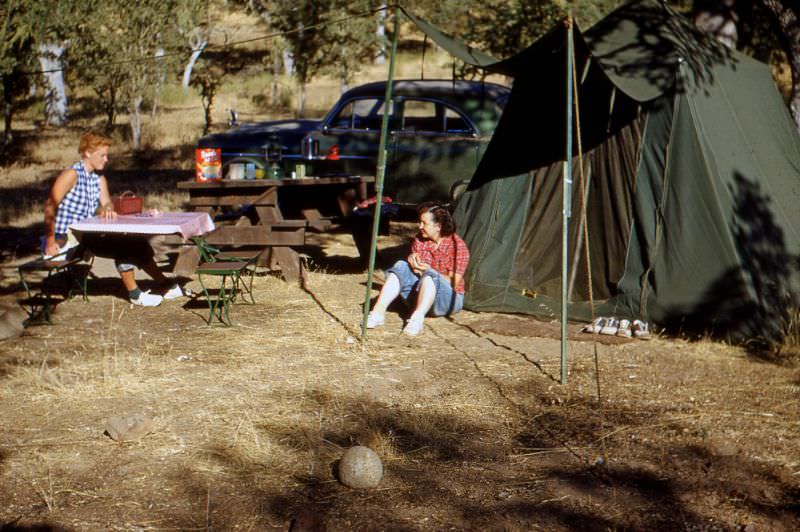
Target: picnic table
185	224
274	214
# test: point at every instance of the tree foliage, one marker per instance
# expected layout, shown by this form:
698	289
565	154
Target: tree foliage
322	36
112	46
16	57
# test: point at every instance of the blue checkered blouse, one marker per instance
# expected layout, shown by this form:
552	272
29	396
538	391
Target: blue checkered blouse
81	202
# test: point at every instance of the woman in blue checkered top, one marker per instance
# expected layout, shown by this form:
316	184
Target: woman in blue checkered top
79	193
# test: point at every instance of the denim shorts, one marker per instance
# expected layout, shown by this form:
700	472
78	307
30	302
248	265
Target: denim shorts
447	301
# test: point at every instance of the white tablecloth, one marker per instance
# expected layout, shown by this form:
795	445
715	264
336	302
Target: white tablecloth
186	224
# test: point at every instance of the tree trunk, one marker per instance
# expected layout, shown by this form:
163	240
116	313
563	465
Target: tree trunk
288	63
301	106
722	26
344	79
787	20
276	75
136	122
110	107
8	113
380	57
198	41
160	78
55	98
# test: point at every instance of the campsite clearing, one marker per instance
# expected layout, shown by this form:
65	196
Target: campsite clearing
473	430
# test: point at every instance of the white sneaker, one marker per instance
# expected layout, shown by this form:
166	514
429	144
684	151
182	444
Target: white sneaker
146	299
611	327
414	327
174	293
375	320
595	326
641	330
624	328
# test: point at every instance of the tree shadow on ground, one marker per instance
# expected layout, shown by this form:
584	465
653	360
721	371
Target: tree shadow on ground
18	526
18	242
430	457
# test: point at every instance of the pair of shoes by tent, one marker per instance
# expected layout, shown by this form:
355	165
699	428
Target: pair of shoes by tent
613	326
608	326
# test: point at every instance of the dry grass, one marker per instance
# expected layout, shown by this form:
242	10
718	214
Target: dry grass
253	418
472	427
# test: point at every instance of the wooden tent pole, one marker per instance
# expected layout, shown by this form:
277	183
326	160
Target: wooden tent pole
566	192
380	172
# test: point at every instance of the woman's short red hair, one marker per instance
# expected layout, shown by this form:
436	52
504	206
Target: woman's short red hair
91	140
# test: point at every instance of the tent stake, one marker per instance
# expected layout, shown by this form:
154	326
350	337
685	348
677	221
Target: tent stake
380	172
566	193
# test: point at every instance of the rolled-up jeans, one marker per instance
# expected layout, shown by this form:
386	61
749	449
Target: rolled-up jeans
447	300
128	252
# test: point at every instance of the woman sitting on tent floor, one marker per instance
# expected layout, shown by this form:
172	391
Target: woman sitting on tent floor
433	273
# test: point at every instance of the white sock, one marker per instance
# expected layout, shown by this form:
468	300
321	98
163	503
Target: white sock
417	316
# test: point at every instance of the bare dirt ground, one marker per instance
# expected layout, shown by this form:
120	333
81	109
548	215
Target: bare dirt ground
473	428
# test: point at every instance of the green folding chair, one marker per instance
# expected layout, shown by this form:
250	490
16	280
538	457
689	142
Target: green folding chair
236	269
77	273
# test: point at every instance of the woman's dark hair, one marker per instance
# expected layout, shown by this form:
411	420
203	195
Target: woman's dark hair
441	215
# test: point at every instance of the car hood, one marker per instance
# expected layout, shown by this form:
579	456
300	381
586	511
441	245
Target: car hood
257	135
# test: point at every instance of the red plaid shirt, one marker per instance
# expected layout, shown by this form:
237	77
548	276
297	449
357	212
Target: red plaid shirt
451	254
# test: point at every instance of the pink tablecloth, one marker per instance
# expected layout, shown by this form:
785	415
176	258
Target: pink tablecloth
186	224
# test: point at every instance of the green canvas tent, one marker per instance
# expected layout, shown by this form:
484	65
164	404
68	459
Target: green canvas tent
690	172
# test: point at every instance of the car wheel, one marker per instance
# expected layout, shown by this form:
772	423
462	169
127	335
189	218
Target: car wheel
457	190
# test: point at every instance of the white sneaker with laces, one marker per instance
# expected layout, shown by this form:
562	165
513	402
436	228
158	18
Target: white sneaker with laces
611	327
595	326
375	320
174	293
414	327
624	328
146	299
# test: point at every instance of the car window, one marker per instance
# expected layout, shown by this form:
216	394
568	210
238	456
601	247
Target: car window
455	123
420	115
363	114
432	117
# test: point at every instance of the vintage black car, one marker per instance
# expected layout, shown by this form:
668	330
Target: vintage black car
438	130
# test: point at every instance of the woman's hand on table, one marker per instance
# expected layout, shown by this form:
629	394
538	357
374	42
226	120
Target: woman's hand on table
108	213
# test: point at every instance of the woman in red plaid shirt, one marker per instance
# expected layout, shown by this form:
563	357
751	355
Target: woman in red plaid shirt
433	273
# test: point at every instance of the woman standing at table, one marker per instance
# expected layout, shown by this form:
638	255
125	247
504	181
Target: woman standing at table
79	193
432	275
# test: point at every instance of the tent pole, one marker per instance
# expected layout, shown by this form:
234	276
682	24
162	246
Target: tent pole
380	172
566	193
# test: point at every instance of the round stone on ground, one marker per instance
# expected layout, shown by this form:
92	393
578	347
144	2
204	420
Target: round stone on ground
360	467
130	428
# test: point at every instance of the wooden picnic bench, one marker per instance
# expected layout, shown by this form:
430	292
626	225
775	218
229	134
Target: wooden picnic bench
274	215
